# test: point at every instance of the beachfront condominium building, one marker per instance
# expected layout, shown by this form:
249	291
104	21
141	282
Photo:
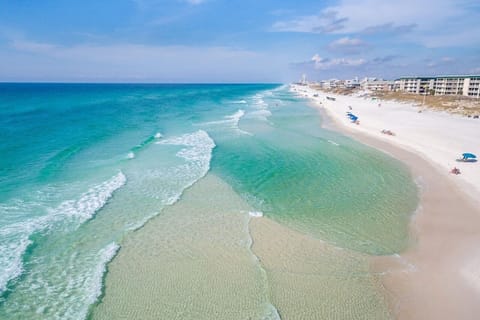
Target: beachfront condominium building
458	85
466	85
374	84
416	84
352	83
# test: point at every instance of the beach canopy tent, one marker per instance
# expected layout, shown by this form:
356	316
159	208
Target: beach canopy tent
469	156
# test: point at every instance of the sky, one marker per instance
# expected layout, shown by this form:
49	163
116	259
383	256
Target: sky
235	40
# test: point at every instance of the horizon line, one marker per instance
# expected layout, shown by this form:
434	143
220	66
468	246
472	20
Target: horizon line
126	82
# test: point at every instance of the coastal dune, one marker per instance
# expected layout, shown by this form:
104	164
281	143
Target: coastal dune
438	276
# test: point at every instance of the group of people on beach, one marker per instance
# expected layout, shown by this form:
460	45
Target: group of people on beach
354	119
387	132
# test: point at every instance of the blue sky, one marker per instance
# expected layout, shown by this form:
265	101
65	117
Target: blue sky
235	40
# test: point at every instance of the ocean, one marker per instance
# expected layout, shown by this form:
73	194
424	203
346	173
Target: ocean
118	195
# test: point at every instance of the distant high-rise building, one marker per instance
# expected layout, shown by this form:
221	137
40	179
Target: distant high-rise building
304	79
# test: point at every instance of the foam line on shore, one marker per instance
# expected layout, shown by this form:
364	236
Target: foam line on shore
16	237
271	312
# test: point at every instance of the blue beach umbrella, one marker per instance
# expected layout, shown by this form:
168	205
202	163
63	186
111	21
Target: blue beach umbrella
469	156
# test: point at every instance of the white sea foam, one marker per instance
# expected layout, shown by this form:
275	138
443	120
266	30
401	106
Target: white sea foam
234	120
198	149
14	237
239	102
197	153
262	114
95	282
231	121
76	285
92	200
258	101
409	267
11	260
271	313
137	225
256	214
333	142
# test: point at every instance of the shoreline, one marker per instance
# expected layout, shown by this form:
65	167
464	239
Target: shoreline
436	277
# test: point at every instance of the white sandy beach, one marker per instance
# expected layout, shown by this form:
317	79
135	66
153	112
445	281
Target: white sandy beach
438	137
438	277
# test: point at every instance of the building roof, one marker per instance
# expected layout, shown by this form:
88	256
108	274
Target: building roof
461	76
417	78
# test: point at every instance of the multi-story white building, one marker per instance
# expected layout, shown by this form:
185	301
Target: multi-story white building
466	85
458	85
416	84
374	84
331	84
471	87
352	83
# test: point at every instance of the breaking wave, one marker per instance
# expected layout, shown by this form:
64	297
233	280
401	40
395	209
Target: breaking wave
15	237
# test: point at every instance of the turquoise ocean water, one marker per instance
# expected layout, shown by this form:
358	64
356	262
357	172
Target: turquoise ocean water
84	165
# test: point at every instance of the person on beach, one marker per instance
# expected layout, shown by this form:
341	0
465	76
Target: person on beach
455	170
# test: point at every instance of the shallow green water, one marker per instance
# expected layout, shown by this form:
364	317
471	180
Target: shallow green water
318	181
86	165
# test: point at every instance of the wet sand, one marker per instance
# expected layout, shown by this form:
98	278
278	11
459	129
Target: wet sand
206	258
311	279
191	262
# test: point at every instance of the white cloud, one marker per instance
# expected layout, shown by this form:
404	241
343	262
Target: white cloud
362	14
440	62
325	22
30	46
348	45
327	63
120	62
431	22
149	4
195	2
